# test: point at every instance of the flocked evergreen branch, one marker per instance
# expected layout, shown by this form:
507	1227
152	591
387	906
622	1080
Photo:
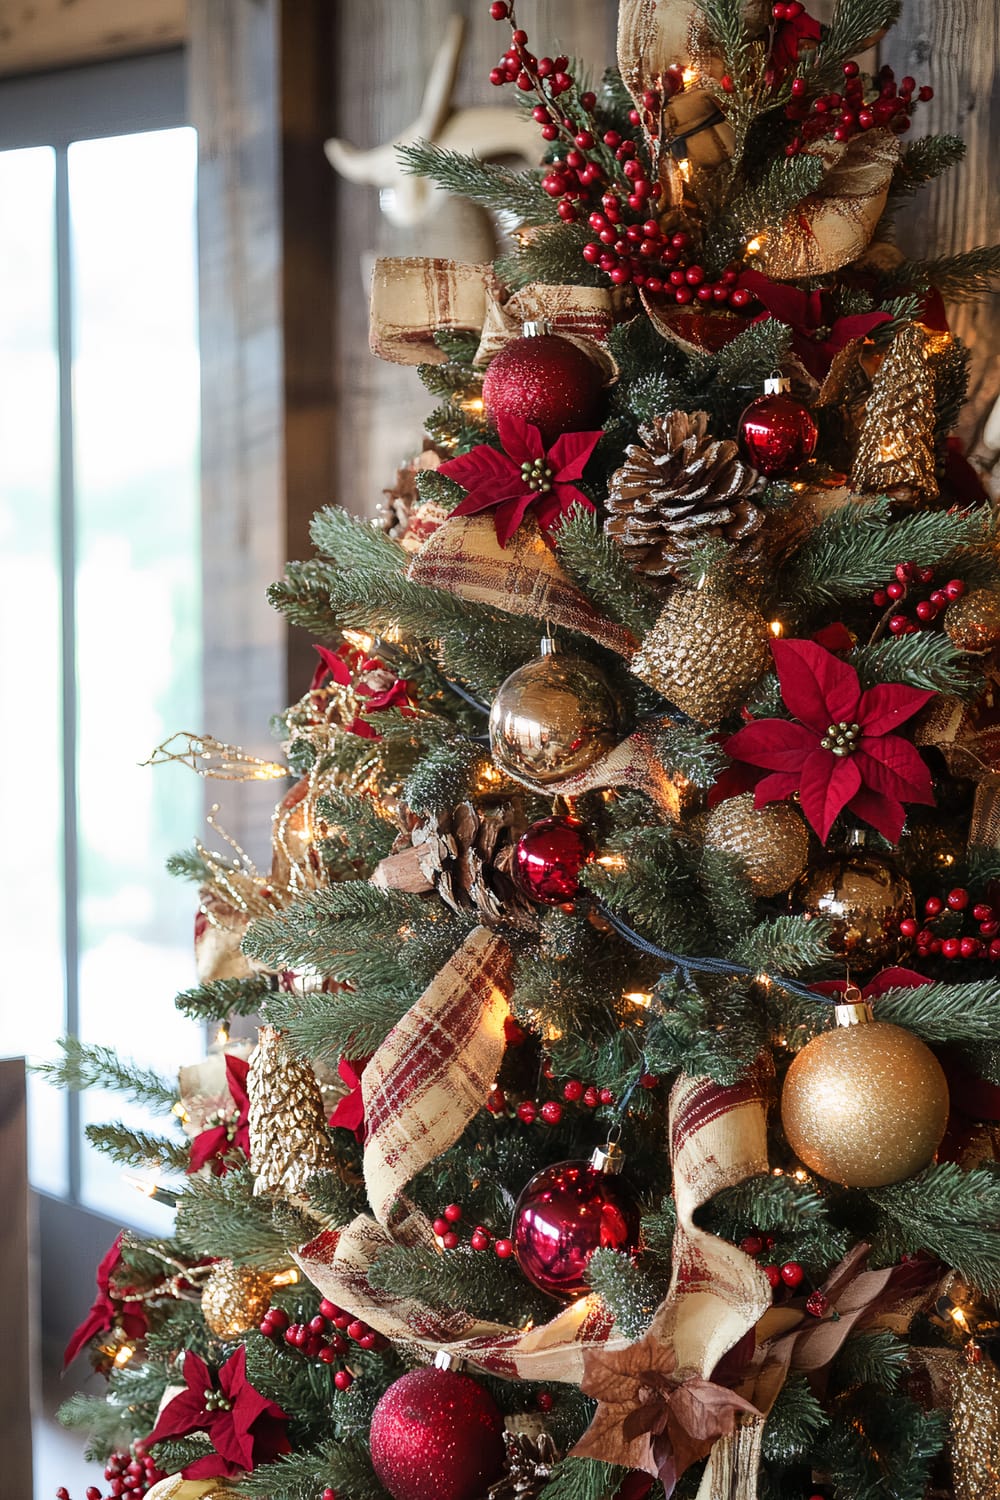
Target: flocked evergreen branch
554	257
137	1148
322	929
303	597
627	1291
84	1066
486	183
219	1216
784	182
222	998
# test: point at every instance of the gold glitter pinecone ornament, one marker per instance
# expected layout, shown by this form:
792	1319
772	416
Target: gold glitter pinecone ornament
704	653
234	1298
771	843
679	488
287	1121
975	1427
527	1468
466	854
895	453
973	622
865	1104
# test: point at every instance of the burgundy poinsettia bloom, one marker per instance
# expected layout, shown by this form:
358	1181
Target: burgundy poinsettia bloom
349	1112
839	750
245	1428
231	1132
524	475
816	334
109	1308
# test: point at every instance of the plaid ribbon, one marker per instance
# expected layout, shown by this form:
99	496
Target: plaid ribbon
463	557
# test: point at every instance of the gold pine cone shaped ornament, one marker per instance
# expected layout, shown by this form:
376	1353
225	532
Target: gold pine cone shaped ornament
771	843
286	1119
975	1427
234	1298
865	1104
552	718
704	653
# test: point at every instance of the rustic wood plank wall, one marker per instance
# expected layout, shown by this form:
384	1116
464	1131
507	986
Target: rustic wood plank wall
60	33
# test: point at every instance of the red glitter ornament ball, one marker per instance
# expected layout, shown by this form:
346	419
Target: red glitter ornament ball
545	380
777	434
437	1435
565	1213
549	857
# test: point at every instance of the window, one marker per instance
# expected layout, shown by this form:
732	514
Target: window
100	645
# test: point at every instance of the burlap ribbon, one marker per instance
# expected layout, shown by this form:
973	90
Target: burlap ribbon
413	297
464	558
834	225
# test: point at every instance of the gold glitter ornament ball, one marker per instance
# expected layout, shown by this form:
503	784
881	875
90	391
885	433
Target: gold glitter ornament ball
176	1487
865	1104
704	653
771	843
975	1427
973	622
552	718
234	1299
864	898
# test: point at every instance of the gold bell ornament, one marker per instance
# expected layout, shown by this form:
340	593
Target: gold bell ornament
866	1103
552	718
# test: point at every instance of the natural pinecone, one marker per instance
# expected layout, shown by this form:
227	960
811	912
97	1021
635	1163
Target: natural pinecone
681	488
527	1468
466	855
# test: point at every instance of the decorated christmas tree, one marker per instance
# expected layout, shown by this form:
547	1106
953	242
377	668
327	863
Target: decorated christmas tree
621	1116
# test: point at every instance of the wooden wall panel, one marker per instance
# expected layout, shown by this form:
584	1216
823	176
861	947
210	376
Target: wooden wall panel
58	33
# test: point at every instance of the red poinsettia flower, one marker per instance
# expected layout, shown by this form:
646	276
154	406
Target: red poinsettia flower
884	981
839	751
231	1130
790	36
245	1428
524	475
816	334
349	1112
109	1308
332	664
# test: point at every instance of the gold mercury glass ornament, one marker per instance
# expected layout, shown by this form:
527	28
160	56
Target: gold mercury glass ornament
863	897
865	1104
552	718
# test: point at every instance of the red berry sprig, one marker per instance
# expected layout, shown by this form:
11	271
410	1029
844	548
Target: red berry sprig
885	104
926	610
324	1338
983	944
128	1473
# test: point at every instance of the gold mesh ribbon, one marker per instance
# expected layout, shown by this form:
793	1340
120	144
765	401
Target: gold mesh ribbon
464	558
984	826
834	225
412	297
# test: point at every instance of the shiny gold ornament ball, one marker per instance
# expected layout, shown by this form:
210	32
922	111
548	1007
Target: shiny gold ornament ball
865	898
552	718
234	1299
704	653
771	843
973	622
865	1105
975	1427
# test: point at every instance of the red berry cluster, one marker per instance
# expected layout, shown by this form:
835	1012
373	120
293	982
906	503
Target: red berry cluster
790	1275
649	257
845	115
927	609
130	1474
480	1238
322	1338
959	901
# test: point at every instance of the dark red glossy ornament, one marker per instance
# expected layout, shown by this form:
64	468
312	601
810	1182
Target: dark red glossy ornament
777	433
436	1434
565	1213
546	380
549	857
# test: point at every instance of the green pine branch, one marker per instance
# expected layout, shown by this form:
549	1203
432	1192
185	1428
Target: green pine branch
188	864
221	999
926	159
854	21
941	1013
584	1479
486	183
595	562
794	1423
951	1213
554	257
342	1466
627	1291
964	277
84	1066
219	1216
138	1148
922	660
303	597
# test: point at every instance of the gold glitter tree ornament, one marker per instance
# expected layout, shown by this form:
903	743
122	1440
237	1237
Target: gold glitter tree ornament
287	1121
234	1298
865	1104
771	843
975	1426
705	652
896	447
972	623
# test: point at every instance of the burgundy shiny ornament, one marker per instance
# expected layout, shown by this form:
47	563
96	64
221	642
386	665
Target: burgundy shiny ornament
437	1435
549	857
546	380
565	1213
777	433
